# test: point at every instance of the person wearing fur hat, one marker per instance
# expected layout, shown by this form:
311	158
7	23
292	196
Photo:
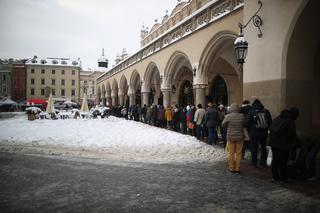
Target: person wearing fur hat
234	122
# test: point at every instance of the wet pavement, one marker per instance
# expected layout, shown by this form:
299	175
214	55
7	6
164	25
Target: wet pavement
30	183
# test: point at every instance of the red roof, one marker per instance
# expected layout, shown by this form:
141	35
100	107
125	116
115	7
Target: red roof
37	101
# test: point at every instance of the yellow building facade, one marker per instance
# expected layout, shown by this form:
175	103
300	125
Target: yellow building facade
59	76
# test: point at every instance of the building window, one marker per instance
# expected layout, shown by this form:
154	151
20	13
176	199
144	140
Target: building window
92	82
43	82
53	81
62	72
73	82
32	71
53	91
85	81
32	91
42	71
42	91
32	81
4	77
73	72
73	92
4	88
62	92
62	82
53	72
92	90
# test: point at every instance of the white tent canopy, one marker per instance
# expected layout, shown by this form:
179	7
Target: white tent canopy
84	106
50	106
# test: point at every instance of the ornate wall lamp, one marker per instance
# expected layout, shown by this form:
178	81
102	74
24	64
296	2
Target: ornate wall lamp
240	44
194	70
173	89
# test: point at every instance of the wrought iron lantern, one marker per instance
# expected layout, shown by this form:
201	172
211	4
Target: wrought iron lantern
240	44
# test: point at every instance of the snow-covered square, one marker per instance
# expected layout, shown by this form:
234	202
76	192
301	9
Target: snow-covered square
109	138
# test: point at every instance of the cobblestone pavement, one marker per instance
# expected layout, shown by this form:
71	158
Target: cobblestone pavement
30	183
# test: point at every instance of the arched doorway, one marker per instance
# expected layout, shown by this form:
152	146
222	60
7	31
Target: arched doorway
152	83
135	86
178	77
219	91
186	94
218	66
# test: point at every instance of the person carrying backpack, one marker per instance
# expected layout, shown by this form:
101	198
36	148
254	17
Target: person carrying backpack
258	122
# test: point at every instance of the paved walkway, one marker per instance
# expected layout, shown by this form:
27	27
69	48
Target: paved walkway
50	184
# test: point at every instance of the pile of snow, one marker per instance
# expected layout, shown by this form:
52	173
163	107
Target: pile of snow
112	138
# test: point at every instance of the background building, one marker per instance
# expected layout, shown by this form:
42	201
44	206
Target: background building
5	79
18	82
88	84
59	76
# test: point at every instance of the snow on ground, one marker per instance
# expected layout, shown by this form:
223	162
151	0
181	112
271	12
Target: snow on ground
111	138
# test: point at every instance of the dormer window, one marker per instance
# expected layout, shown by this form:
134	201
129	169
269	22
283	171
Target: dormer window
74	63
54	62
34	61
43	61
63	62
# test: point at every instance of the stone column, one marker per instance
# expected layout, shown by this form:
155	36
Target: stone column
108	101
132	99
121	99
200	90
103	101
145	98
114	101
166	97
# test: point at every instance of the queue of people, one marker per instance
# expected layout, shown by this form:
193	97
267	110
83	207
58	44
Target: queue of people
239	128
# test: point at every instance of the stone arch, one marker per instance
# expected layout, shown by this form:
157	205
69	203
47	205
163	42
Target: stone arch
218	90
108	93
123	91
123	84
302	66
178	70
135	87
108	89
152	83
213	49
152	73
218	59
135	81
176	61
114	93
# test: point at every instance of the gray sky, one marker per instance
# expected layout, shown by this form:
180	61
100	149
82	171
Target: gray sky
76	28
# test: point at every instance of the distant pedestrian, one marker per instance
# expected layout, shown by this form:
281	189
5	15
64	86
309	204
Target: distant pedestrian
234	122
168	116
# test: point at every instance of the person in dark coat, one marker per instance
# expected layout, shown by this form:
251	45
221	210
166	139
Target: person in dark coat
282	137
160	116
211	120
258	122
154	115
183	120
245	109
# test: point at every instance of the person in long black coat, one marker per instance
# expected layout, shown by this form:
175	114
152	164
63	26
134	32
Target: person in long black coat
282	137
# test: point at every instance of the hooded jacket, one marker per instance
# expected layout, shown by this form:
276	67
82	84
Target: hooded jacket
282	131
255	132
